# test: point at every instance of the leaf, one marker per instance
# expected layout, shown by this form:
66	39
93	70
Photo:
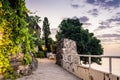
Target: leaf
0	70
4	69
0	4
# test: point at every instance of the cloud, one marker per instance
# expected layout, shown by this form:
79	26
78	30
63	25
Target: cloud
109	41
115	3
91	1
84	19
105	3
118	23
104	23
117	38
114	20
109	36
93	12
106	40
104	27
75	5
87	24
118	31
108	23
118	13
75	17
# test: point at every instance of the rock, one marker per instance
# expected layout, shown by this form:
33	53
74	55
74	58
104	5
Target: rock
59	52
67	50
24	70
16	63
50	56
27	70
1	77
33	66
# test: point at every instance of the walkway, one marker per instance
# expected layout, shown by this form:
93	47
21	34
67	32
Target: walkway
48	70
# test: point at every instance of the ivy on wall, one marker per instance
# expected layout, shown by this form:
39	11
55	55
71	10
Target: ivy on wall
15	36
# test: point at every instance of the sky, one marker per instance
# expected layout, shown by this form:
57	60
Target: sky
101	17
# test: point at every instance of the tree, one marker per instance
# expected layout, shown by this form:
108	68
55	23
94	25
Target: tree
52	45
46	33
35	33
86	42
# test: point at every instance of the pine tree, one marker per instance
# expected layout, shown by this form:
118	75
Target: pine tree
46	33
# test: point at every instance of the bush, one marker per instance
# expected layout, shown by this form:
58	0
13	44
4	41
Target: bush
40	54
11	75
35	54
27	59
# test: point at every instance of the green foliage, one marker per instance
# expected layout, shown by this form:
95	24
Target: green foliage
40	54
46	33
35	32
52	45
86	42
27	59
11	74
33	20
4	63
16	36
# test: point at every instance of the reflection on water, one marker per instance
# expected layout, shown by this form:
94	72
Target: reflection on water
105	66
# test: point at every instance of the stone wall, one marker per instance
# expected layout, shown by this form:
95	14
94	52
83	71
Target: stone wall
66	50
27	69
16	63
69	59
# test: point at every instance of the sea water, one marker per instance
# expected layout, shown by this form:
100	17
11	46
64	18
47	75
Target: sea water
105	66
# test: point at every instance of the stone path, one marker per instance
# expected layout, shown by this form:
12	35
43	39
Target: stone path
48	70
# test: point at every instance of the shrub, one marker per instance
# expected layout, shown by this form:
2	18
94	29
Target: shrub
27	59
40	54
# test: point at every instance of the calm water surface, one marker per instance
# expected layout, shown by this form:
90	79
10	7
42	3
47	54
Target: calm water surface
105	66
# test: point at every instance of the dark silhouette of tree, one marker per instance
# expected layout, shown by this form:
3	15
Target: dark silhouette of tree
86	42
46	33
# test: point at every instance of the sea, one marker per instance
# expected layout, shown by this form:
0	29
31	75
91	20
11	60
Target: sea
105	66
